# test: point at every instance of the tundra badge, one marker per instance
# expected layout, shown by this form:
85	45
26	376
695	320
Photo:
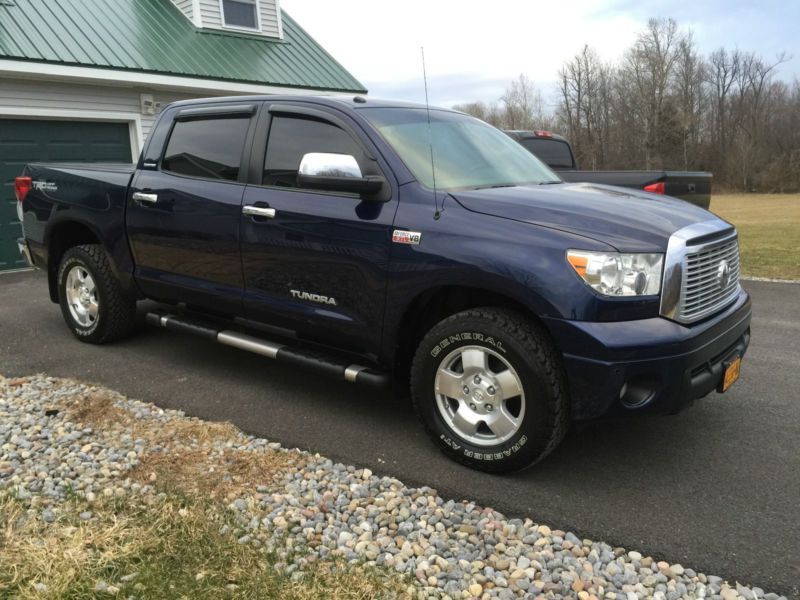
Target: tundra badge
313	297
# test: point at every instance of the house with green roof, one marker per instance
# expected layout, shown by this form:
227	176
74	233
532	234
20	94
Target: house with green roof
84	80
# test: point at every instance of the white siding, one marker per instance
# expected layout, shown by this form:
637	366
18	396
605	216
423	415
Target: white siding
186	7
211	15
42	96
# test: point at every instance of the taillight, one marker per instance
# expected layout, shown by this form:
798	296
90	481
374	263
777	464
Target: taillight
22	185
542	133
656	188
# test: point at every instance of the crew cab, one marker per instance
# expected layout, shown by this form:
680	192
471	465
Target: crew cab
319	231
556	152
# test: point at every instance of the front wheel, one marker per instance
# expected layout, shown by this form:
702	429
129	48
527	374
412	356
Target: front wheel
92	301
488	386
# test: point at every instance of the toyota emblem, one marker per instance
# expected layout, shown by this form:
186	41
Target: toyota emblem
723	275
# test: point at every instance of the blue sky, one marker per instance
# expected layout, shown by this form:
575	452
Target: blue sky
474	48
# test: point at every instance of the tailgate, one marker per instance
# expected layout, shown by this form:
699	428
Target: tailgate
694	187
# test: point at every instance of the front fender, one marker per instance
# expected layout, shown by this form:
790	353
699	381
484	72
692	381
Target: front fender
519	261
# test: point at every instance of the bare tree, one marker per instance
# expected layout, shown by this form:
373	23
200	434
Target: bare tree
648	68
584	97
722	73
523	104
690	97
483	111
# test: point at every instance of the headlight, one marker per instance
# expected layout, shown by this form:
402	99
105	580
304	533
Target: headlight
615	274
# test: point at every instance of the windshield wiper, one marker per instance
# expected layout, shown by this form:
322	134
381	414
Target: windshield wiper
551	182
494	185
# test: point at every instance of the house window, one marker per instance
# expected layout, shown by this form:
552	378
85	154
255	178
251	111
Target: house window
240	13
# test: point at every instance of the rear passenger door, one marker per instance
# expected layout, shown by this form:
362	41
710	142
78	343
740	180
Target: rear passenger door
318	266
184	212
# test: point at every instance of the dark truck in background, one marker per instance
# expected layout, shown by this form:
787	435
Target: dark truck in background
556	152
310	231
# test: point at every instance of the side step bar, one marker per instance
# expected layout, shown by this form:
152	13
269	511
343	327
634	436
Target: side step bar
335	367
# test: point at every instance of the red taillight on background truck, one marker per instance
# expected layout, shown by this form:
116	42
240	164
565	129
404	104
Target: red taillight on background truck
22	185
656	188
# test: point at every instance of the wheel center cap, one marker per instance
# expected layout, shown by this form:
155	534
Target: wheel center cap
478	395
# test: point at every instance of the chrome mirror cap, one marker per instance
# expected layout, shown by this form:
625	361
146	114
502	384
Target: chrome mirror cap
328	164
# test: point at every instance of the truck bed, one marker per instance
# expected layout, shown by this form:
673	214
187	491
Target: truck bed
556	152
90	193
692	186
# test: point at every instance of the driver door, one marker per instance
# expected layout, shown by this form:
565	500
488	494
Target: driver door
314	261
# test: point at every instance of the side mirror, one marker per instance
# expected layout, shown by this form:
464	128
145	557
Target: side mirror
336	173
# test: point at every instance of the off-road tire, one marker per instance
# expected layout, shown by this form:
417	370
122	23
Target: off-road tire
527	347
116	316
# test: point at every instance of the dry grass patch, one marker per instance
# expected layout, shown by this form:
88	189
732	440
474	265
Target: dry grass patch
769	231
225	474
187	454
98	409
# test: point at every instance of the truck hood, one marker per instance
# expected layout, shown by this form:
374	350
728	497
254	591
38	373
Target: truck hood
626	219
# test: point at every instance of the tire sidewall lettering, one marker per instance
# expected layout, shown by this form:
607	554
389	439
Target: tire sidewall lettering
484	456
468	336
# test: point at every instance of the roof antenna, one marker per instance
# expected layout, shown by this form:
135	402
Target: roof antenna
436	213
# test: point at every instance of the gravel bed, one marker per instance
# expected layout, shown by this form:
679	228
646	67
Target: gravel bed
322	510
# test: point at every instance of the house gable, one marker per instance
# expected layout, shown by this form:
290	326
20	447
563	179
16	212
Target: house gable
210	15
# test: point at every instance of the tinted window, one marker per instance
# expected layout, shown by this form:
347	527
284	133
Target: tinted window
210	148
291	138
554	152
240	13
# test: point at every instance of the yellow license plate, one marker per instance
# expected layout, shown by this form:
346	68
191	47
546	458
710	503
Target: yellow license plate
731	373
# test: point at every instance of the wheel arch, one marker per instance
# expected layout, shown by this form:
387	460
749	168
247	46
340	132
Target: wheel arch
62	236
435	304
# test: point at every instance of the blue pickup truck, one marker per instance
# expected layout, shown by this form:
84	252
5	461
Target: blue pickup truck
384	243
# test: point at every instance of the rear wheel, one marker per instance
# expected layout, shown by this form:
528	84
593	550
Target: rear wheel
488	386
91	297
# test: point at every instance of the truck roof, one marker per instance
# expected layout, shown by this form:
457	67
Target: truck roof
353	102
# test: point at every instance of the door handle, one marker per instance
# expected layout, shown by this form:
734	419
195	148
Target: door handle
258	211
148	198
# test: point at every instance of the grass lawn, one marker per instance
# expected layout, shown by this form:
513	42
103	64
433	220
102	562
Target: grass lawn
769	231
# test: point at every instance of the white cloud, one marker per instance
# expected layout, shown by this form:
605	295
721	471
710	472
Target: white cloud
472	49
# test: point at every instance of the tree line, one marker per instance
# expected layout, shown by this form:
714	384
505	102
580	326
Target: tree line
664	105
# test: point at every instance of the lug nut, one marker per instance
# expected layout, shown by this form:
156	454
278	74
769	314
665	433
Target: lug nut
466	390
477	379
489	407
472	406
491	390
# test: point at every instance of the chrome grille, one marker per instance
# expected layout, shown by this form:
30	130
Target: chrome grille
710	278
690	287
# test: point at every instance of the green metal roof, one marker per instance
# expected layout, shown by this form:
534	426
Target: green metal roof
153	36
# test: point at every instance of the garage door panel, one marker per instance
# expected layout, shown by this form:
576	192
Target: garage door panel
31	140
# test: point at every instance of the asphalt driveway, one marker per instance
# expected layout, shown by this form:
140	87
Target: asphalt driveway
716	488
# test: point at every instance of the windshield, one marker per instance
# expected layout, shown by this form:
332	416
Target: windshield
467	153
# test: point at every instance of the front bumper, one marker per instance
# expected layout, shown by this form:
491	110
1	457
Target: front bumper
653	366
22	245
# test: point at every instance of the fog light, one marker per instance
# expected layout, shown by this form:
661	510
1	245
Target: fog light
639	390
